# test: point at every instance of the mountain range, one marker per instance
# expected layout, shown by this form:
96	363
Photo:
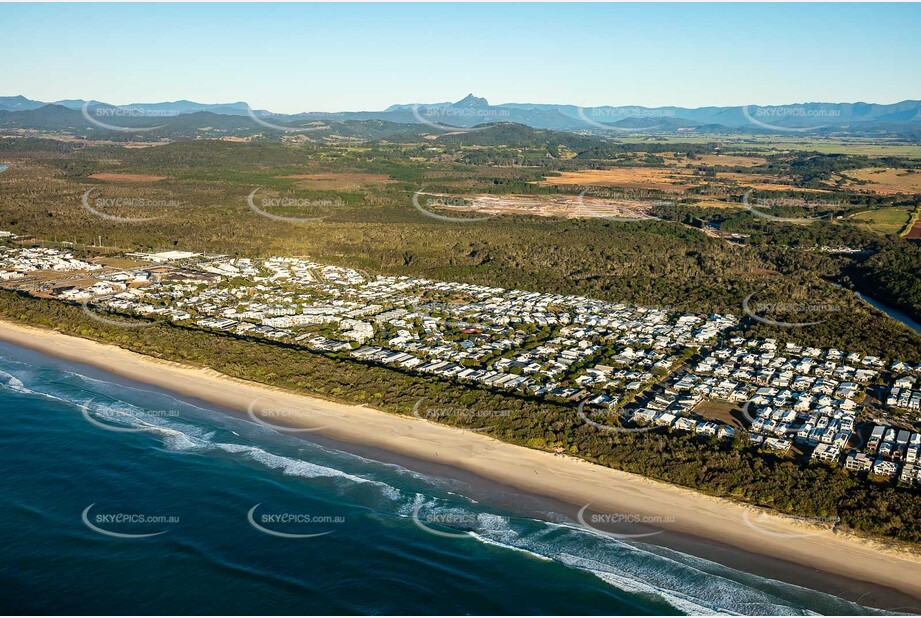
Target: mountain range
898	119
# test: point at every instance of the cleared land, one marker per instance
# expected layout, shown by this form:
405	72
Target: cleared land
565	206
670	179
661	179
112	177
726	161
915	232
722	411
884	180
708	202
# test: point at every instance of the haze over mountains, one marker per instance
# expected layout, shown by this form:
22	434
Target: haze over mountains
898	119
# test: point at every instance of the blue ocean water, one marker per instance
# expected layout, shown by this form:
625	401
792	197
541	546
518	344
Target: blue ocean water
122	499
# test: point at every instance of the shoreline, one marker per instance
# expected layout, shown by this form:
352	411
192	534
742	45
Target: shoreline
567	480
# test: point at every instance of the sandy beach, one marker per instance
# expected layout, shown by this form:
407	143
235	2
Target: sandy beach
566	479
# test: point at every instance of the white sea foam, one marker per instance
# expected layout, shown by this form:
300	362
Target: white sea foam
301	468
178	437
419	501
488	540
629	567
177	441
630	584
390	467
13	383
670	579
666	573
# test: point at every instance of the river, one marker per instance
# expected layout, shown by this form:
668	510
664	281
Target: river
892	313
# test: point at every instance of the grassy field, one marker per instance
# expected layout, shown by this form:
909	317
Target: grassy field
851	146
867	147
884	220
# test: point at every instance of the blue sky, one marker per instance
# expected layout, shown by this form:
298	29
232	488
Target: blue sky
320	57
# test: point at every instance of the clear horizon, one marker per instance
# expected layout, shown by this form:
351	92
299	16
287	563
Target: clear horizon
365	57
492	103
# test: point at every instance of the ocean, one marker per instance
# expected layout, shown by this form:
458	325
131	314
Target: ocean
119	498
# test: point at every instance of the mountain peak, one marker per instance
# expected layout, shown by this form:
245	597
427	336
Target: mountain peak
472	101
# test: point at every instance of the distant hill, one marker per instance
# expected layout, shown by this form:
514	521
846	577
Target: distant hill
168	108
18	103
47	117
517	135
898	119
